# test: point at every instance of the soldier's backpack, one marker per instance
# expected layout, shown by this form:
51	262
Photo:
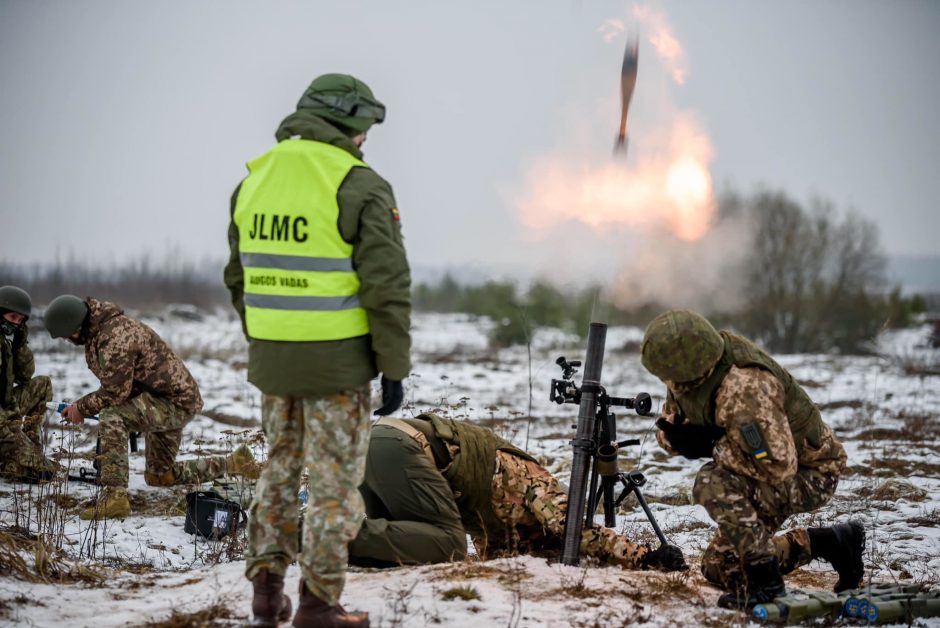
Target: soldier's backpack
212	516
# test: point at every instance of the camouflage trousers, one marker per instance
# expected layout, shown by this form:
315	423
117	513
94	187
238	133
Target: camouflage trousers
161	423
329	436
21	425
533	505
748	513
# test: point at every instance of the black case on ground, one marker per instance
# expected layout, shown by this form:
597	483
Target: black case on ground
211	516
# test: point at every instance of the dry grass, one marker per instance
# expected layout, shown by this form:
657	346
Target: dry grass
7	606
927	520
889	465
918	427
464	592
219	613
892	491
470	569
159	503
29	558
688	525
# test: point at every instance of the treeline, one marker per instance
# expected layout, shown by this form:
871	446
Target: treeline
811	280
517	311
814	279
144	283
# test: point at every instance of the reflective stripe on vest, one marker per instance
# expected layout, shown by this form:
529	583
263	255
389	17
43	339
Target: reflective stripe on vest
300	284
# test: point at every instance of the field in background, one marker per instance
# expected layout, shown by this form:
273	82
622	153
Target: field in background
146	571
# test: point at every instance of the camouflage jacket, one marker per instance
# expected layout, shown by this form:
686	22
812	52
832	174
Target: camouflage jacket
129	358
748	396
16	366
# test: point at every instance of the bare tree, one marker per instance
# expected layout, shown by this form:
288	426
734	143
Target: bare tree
813	281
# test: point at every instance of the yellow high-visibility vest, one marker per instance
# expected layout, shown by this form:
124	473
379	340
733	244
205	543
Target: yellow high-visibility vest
300	284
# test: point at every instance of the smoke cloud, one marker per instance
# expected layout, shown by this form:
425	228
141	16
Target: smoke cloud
651	216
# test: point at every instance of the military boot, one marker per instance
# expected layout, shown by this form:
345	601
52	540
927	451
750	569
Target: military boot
242	462
315	613
842	545
269	606
112	504
763	583
24	461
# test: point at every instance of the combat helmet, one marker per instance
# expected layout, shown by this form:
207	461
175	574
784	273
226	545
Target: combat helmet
344	100
65	315
13	299
681	346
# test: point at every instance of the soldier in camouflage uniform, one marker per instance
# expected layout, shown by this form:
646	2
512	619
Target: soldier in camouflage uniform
430	481
23	397
145	388
324	310
772	457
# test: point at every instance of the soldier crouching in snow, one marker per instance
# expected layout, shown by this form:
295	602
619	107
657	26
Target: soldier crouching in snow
145	388
772	457
429	481
22	397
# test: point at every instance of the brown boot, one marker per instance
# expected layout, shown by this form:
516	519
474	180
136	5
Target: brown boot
269	606
315	613
242	462
112	503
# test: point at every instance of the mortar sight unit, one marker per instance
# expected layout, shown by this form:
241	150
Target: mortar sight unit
564	390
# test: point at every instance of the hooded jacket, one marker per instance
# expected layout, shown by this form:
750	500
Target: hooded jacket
368	219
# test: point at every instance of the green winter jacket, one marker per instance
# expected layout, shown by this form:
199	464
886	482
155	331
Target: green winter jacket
368	219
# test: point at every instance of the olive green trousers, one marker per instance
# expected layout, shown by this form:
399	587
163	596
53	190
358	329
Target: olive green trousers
412	517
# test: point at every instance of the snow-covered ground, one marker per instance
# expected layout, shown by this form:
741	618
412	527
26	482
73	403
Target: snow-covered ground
146	569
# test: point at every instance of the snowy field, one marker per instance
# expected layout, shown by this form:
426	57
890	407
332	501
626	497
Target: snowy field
145	570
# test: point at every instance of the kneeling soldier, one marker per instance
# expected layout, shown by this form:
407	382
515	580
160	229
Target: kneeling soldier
22	397
145	388
430	481
772	457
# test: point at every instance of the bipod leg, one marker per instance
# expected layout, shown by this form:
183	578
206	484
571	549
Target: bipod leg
606	492
631	484
649	515
610	510
593	496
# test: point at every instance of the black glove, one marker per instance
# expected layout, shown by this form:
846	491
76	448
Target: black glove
690	441
7	328
19	337
393	393
665	558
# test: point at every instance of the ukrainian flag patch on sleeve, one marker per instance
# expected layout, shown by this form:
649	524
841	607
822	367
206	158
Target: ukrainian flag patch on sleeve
755	440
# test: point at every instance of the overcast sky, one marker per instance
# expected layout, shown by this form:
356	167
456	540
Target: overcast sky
124	126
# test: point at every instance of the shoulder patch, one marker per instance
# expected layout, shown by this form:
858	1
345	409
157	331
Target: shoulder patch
395	215
754	439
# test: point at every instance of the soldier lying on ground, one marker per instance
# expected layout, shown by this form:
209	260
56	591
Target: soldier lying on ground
430	481
145	388
22	397
772	457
